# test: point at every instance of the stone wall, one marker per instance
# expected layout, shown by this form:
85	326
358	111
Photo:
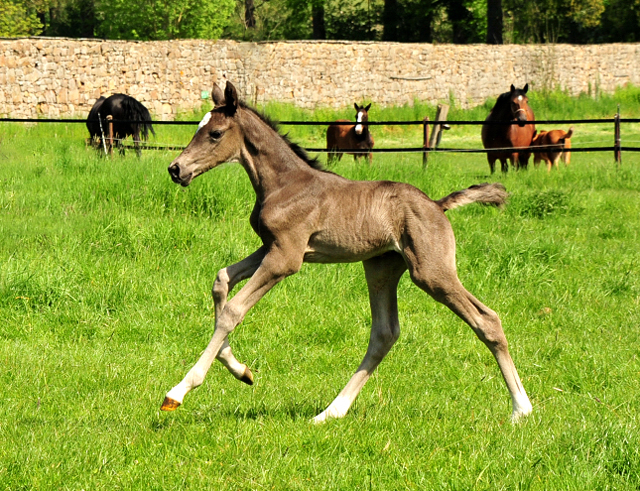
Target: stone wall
63	77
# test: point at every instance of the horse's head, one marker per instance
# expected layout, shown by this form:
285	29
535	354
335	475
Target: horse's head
362	116
217	140
519	104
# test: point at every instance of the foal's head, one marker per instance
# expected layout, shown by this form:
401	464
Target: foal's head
518	101
362	116
217	140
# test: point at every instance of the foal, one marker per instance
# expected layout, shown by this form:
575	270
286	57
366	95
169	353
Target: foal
305	214
553	145
350	137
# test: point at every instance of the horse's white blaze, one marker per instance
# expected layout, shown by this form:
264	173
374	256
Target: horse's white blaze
359	120
204	121
519	97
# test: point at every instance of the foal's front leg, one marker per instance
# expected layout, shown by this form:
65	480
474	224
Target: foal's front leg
225	281
274	267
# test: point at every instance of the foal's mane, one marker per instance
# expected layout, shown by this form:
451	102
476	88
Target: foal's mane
297	149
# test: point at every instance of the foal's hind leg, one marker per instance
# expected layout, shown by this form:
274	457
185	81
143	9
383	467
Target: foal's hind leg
225	281
382	273
432	268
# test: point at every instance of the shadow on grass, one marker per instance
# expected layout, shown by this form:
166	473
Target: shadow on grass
292	411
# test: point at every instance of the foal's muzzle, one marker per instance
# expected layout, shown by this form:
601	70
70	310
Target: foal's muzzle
174	172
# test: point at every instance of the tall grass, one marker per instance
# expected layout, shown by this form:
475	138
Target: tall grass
105	274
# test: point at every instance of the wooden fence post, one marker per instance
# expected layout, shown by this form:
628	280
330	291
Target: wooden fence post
616	145
425	142
441	115
110	121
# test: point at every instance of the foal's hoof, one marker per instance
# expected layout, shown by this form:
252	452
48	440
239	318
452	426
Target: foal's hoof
247	376
169	404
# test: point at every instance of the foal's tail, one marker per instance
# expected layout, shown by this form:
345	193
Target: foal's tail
488	194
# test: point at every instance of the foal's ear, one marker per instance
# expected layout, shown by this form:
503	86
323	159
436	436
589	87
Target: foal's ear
525	88
355	104
231	99
367	108
217	95
513	88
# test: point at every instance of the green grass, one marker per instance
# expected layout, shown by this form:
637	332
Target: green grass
106	268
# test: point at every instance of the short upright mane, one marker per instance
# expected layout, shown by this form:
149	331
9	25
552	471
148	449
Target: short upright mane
297	149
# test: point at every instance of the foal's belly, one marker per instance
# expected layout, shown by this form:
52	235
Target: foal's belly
323	248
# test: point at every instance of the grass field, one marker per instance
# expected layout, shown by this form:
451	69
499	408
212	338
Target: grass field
106	268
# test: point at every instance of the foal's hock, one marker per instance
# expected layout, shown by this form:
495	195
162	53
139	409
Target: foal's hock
302	214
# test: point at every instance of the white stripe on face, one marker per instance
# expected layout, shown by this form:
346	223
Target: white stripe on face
204	121
359	120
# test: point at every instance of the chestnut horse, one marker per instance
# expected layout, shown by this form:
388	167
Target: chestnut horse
303	213
510	106
350	137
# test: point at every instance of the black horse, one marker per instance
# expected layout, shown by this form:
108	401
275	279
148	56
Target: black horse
122	108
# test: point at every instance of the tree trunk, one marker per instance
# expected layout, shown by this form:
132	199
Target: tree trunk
390	20
317	12
494	21
249	14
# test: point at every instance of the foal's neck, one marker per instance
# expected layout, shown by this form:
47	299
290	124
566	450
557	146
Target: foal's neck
267	157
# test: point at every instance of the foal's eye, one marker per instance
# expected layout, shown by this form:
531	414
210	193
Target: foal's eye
215	134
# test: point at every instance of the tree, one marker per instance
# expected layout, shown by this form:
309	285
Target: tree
166	19
18	19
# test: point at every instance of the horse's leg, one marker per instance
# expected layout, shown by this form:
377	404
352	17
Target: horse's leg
383	274
226	279
504	164
276	265
492	162
432	268
136	143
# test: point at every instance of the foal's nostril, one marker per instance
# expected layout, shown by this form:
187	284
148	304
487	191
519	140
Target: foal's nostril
174	170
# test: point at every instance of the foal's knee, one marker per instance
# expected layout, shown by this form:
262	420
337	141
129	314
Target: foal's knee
220	288
490	331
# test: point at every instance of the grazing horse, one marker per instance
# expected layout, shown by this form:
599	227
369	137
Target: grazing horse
551	146
350	137
510	106
303	214
122	108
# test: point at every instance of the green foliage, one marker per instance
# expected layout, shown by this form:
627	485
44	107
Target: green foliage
17	19
169	19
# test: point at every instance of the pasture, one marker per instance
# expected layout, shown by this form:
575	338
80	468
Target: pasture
106	268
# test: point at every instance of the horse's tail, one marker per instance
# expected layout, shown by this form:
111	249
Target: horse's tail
488	194
136	111
566	155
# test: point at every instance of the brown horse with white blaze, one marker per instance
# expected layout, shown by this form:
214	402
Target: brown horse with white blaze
341	137
512	106
303	213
